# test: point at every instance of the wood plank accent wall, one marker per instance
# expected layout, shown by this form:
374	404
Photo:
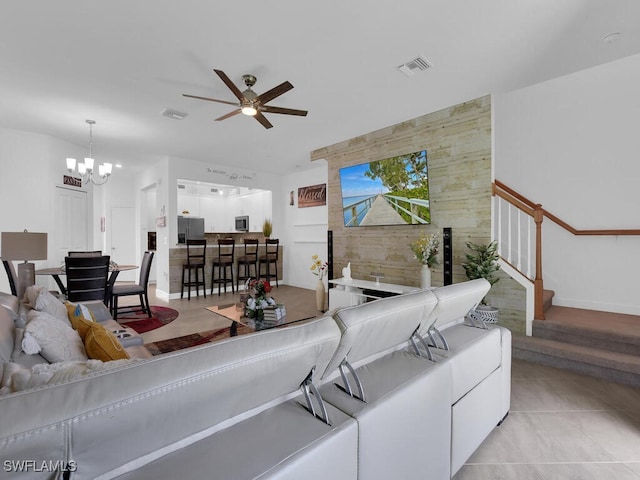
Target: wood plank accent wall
458	144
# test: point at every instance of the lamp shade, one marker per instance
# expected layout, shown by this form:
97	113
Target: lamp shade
24	246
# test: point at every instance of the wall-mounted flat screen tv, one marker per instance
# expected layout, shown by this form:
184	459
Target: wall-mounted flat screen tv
393	191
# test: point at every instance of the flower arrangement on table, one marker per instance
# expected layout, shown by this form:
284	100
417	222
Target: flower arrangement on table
258	299
425	249
318	267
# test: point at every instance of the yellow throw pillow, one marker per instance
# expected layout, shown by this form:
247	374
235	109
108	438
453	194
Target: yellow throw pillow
81	318
101	344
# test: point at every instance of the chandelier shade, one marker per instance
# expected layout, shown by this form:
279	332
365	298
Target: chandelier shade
86	170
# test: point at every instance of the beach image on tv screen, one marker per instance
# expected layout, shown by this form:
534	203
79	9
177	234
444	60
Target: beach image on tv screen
393	191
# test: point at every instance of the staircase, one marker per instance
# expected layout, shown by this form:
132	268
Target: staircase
600	344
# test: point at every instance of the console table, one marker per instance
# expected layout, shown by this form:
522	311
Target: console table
348	292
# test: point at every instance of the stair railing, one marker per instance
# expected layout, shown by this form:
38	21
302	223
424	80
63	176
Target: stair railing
518	230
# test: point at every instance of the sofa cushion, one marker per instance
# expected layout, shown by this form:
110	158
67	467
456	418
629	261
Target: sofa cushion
58	342
100	344
11	303
7	334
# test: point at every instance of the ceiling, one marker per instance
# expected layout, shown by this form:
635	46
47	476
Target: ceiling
121	63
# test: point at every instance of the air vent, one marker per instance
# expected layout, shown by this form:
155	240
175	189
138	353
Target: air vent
415	65
174	114
181	187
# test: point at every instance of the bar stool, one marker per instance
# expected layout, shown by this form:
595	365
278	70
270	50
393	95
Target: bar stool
249	259
196	252
224	261
270	256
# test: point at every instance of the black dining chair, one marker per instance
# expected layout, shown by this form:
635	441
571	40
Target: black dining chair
13	276
196	253
90	253
87	278
270	258
140	289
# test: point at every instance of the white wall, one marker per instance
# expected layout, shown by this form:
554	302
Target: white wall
31	165
572	145
307	227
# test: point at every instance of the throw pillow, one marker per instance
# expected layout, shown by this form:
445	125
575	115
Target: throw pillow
31	294
57	340
101	344
80	317
46	302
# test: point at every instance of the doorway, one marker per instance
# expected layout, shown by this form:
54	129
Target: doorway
71	229
123	240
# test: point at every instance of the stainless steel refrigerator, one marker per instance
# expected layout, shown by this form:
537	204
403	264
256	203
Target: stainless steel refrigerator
190	227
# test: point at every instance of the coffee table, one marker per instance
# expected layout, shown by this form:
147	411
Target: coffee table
235	313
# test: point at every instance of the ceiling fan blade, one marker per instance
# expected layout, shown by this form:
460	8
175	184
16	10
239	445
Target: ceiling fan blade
274	92
230	114
227	81
210	99
263	120
285	111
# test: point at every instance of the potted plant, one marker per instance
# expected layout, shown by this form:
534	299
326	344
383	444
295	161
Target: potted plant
267	228
482	262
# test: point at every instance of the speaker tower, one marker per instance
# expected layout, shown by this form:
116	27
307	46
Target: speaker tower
447	256
330	254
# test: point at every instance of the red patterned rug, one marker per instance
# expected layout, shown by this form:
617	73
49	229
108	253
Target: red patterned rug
140	322
193	340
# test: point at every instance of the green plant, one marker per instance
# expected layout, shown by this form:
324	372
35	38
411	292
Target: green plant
267	228
482	262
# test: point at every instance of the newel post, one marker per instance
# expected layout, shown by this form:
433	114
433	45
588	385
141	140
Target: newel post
538	215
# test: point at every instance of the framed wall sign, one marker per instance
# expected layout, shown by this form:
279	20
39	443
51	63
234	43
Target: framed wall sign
312	196
73	181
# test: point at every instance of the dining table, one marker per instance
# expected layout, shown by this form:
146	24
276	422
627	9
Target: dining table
114	270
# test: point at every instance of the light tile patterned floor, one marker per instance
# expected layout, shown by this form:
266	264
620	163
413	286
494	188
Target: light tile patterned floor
562	425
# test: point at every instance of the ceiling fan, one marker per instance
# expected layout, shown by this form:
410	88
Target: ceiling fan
251	103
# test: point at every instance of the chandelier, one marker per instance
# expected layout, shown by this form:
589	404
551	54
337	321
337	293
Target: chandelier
86	170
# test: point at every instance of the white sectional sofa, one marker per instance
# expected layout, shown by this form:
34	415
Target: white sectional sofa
352	395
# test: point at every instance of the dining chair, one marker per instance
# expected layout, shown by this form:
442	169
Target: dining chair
140	289
248	260
87	278
13	276
270	258
196	253
224	261
91	253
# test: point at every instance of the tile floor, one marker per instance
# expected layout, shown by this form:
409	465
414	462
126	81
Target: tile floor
562	425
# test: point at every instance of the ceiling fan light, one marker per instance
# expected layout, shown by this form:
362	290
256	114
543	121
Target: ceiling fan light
249	110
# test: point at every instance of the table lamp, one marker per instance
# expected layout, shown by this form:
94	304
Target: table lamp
24	246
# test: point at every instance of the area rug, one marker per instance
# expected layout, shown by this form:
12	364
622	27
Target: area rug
193	340
200	338
140	322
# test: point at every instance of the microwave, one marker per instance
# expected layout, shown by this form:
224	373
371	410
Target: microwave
242	223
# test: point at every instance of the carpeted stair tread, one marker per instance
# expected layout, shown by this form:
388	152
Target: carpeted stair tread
601	330
618	367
